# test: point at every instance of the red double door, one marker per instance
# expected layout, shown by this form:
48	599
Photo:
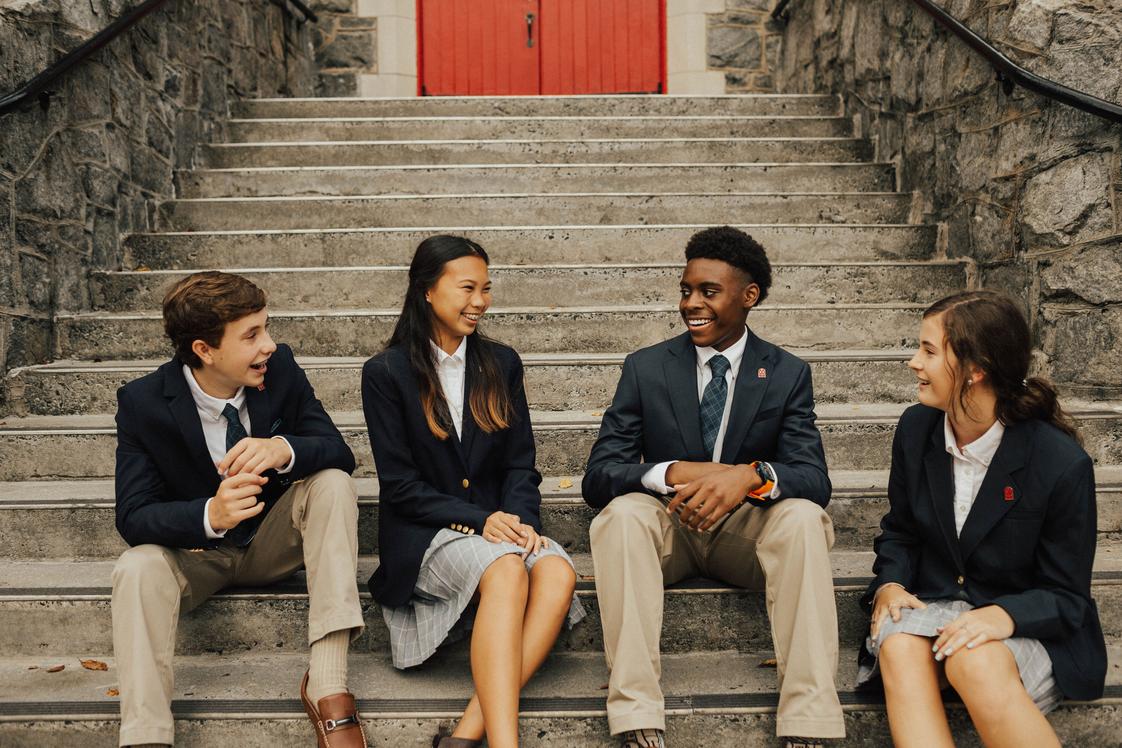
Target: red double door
526	47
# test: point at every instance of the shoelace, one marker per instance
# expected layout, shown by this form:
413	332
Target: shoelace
643	739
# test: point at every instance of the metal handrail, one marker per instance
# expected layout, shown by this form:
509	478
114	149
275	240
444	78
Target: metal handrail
1008	72
36	88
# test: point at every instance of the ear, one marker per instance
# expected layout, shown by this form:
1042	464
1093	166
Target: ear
203	351
751	295
977	375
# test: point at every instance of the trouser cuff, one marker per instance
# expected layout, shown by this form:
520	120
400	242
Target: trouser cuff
810	728
637	721
141	735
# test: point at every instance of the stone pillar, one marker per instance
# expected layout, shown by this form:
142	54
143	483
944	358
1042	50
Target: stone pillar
346	47
396	73
687	53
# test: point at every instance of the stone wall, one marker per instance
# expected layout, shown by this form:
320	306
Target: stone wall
743	44
78	174
1029	188
346	46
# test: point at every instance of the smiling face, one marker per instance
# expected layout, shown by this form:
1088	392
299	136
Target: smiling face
935	365
459	298
241	358
715	301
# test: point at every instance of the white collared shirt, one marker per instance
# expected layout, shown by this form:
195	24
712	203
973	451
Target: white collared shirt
970	466
655	478
214	432
450	371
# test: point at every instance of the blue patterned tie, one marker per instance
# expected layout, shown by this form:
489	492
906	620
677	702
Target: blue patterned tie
235	432
713	402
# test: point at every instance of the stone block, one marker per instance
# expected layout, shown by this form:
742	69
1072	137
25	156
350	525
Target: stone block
48	188
1082	344
348	50
1068	202
734	47
332	6
35	272
337	84
105	241
1031	22
1091	273
761	5
100	185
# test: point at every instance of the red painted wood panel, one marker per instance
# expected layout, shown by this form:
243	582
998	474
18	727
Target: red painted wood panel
479	47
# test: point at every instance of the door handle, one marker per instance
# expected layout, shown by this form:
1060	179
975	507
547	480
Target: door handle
529	29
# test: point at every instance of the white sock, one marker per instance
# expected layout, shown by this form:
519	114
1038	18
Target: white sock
327	666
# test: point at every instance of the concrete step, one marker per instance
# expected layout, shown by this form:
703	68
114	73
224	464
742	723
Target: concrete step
253	699
518	244
263	130
553	381
615	150
361	332
554	285
856	437
818	105
74	520
522	178
503	210
57	607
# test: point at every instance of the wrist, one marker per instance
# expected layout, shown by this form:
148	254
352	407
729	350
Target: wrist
750	477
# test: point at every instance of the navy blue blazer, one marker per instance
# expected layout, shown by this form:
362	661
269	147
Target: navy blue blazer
426	484
654	417
1028	543
164	471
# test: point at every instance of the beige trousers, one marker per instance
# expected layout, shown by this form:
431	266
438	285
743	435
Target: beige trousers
638	548
314	525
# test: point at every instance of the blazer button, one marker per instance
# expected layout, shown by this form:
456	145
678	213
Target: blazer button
466	483
960	580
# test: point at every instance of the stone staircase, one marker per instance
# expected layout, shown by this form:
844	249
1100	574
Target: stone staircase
584	204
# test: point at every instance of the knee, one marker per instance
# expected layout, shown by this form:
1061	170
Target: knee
332	487
144	565
506	576
983	676
628	512
555	576
799	519
901	654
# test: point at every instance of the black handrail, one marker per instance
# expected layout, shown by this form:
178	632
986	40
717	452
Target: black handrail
1008	72
36	88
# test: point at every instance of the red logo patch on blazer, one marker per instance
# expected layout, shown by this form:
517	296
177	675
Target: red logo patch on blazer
761	373
1009	493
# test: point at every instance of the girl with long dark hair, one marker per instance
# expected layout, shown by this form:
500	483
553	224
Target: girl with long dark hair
459	531
983	565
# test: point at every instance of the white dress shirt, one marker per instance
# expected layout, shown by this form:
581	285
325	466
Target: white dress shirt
655	478
450	371
214	432
970	466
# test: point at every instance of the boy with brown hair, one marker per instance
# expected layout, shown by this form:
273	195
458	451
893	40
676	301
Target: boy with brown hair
229	472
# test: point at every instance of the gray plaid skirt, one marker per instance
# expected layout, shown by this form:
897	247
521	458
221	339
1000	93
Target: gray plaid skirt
1032	659
440	610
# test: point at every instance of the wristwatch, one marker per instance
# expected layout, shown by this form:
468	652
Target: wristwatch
767	475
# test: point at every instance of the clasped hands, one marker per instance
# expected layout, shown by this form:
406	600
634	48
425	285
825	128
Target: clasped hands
971	629
707	491
236	499
502	526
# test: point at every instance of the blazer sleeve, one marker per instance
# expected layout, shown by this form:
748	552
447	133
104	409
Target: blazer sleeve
143	512
520	488
316	441
800	461
402	484
615	464
1065	555
898	545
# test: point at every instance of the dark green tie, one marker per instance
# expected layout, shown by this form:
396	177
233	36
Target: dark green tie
713	402
235	432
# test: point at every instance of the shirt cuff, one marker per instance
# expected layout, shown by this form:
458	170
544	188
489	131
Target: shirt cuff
775	488
291	457
210	531
655	478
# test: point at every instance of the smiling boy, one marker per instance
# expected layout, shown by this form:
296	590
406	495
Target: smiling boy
229	472
709	463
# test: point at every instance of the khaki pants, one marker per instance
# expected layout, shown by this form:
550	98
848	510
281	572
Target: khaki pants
314	525
638	548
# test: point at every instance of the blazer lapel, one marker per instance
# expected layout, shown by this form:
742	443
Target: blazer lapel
466	439
748	393
186	415
680	369
940	481
257	403
992	503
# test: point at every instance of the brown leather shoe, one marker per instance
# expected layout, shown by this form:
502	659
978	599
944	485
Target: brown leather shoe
443	740
336	720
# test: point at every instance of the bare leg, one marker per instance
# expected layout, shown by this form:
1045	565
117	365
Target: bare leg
990	685
496	647
552	582
911	692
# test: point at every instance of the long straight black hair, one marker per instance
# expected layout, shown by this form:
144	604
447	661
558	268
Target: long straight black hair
489	398
986	329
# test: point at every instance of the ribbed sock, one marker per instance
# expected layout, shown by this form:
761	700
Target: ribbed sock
327	666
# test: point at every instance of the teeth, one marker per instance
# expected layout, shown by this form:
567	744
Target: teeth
698	322
473	316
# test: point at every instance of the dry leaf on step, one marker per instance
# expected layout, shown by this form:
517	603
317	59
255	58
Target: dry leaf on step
112	692
142	269
565	483
769	662
94	665
56	668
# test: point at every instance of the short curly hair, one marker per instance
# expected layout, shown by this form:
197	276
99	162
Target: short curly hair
199	307
738	249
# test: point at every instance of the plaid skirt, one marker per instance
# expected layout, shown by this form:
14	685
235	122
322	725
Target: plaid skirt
440	609
1033	662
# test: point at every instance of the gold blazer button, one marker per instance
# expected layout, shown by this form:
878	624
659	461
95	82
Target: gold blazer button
466	483
960	580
